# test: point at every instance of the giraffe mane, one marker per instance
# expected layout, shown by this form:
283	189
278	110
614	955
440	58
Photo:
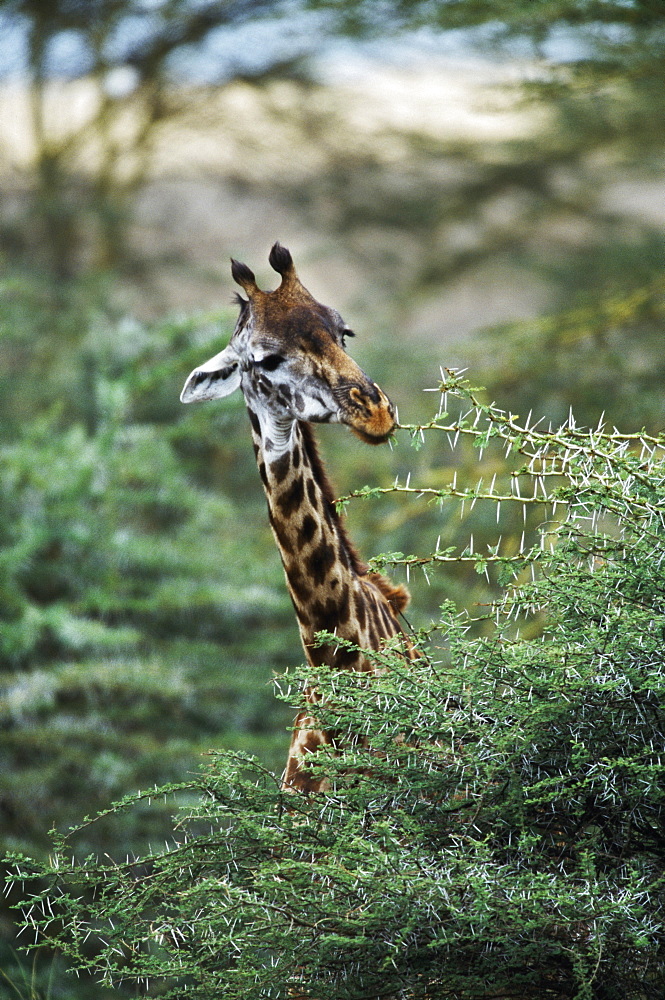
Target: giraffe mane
395	593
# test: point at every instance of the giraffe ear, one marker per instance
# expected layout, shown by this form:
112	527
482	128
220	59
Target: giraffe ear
218	377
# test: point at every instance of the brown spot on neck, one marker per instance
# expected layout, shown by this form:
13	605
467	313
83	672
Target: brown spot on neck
254	421
319	563
319	488
279	469
289	501
307	530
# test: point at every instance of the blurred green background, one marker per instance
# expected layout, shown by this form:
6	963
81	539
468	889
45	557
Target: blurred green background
472	184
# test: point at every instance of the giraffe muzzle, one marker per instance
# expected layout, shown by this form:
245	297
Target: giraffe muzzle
369	413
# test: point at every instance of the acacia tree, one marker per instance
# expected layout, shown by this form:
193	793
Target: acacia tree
500	829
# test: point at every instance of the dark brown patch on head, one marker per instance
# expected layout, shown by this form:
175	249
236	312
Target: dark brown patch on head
279	469
302	321
317	342
291	499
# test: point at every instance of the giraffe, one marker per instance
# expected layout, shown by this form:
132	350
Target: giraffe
288	356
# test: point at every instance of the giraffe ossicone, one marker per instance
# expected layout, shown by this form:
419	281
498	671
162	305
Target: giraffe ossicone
288	356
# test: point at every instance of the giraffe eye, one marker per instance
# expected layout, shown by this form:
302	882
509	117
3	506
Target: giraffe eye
270	362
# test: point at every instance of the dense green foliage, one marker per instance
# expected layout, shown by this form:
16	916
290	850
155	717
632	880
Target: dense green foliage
500	831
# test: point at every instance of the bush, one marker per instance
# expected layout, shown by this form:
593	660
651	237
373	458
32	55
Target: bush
500	828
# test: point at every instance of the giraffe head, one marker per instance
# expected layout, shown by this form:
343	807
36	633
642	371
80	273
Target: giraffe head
288	356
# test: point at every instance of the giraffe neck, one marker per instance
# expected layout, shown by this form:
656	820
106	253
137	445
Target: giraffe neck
322	569
330	588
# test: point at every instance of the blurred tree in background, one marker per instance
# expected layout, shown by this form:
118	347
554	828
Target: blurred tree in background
90	159
143	609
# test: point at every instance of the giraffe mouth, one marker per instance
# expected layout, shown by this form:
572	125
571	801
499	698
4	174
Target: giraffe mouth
371	438
372	419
